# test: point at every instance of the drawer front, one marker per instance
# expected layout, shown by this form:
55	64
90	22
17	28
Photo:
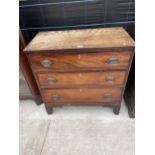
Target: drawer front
83	95
81	79
82	61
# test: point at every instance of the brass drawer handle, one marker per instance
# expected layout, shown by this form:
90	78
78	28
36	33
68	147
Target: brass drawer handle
46	63
110	79
52	80
55	97
107	95
113	60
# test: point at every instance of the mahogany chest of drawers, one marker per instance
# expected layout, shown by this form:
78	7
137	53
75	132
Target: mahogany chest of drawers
81	67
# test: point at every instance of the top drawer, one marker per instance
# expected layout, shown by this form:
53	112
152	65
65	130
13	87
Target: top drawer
82	61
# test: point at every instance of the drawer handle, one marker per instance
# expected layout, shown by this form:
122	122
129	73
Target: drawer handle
55	97
52	80
113	60
46	63
110	79
107	95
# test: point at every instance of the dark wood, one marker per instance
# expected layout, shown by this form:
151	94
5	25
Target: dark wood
49	109
127	74
78	62
116	109
74	72
24	90
129	94
78	79
27	72
82	95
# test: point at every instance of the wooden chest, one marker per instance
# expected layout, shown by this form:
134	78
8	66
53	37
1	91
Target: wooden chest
79	67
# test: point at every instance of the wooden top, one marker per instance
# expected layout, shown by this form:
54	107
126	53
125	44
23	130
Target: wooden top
80	39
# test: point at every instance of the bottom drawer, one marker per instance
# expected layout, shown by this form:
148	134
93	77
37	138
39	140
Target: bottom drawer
81	96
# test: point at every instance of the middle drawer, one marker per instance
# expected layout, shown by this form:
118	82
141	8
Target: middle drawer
73	79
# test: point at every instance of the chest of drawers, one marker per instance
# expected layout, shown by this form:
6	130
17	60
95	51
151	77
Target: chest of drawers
81	67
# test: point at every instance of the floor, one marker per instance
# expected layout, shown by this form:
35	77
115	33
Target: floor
75	130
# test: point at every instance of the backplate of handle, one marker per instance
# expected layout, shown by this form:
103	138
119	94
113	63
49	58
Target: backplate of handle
46	63
113	60
55	97
107	95
110	79
52	80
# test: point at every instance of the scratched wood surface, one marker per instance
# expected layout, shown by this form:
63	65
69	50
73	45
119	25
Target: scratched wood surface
84	38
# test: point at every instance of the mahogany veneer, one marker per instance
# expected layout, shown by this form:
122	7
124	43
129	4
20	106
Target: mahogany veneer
78	79
78	67
82	95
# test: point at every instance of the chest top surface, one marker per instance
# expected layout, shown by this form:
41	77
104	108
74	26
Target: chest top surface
80	39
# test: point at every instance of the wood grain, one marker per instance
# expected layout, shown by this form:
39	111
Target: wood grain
81	96
71	67
78	79
75	39
27	72
82	61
